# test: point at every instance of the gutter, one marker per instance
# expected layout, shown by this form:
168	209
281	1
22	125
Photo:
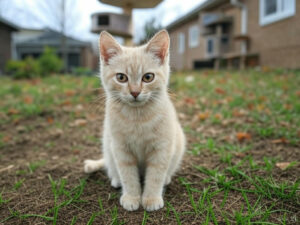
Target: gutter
244	23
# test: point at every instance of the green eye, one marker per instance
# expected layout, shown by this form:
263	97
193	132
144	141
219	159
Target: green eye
121	77
148	77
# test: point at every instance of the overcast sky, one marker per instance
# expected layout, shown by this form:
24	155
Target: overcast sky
31	14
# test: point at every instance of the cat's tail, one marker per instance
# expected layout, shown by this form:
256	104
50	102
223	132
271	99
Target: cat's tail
91	166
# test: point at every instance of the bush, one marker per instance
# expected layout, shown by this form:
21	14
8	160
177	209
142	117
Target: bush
27	68
82	71
50	62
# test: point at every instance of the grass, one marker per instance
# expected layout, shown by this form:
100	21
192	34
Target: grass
239	126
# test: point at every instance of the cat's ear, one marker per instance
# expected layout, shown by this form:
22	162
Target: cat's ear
159	45
109	47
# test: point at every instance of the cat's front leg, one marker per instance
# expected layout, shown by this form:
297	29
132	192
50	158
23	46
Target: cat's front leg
155	178
127	166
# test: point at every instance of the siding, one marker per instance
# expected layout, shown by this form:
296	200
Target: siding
278	43
5	46
186	59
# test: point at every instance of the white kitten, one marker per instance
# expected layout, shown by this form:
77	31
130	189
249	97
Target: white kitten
142	135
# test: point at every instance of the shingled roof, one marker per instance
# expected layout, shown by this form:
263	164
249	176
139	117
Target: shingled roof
9	24
194	13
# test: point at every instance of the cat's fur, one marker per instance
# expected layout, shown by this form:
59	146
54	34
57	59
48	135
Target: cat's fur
141	138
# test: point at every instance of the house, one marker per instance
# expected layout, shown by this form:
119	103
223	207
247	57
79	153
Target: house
6	30
31	42
237	33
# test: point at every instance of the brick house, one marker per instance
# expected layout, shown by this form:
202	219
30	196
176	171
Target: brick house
237	33
6	30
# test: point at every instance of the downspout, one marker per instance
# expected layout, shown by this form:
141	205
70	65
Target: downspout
244	22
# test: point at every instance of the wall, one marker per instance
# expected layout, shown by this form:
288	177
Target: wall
278	43
185	60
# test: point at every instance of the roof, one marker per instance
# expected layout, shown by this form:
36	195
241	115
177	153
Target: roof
194	13
9	24
51	38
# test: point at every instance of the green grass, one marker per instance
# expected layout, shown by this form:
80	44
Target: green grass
238	180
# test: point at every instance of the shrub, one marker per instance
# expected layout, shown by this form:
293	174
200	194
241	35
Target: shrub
82	71
27	68
49	62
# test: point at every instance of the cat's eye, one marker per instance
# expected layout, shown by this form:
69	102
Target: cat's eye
148	77
121	77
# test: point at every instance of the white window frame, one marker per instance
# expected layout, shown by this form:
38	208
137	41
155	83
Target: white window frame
193	36
280	14
181	43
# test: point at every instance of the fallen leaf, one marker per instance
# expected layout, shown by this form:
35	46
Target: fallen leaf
28	99
69	93
67	102
239	154
203	116
190	101
241	136
218	116
283	165
6	139
78	122
13	111
220	91
50	120
280	141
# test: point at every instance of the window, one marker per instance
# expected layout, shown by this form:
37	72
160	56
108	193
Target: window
275	10
181	43
210	46
103	20
193	36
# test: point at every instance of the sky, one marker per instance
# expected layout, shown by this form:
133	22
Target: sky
38	14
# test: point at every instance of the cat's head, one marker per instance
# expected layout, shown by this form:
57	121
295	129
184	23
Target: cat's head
135	75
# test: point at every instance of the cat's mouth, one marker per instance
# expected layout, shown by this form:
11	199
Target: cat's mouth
136	102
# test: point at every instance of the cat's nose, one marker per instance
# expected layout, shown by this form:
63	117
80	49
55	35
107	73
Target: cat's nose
135	94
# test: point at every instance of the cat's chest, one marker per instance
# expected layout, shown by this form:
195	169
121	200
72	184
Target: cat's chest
137	135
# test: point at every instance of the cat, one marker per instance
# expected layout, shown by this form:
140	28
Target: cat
142	136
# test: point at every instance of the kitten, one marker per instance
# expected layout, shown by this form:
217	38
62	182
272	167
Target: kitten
142	136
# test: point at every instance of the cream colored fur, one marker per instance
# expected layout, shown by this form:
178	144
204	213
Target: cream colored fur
142	137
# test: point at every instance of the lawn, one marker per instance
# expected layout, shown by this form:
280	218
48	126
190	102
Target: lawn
242	164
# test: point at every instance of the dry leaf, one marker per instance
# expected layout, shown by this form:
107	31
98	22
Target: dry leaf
78	122
6	139
190	101
218	116
50	120
220	91
13	111
283	165
69	93
241	136
28	99
203	116
280	141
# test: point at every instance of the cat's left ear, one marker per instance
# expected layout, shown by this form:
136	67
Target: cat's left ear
159	45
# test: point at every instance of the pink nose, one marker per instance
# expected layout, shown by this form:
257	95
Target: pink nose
135	94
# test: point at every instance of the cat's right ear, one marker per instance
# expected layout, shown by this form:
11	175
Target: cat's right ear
109	47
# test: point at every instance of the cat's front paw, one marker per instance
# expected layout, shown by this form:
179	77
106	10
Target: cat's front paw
152	203
129	202
115	182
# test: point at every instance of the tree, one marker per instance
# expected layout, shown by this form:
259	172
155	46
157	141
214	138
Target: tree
151	27
62	16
